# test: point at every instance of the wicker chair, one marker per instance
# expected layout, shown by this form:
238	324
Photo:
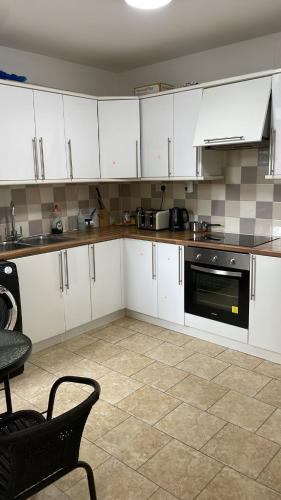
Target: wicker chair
36	451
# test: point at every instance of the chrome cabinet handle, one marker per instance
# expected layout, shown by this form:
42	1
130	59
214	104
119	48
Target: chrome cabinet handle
216	271
61	272
272	151
66	270
35	158
223	139
42	158
137	158
94	264
70	158
153	262
180	266
169	159
253	277
198	160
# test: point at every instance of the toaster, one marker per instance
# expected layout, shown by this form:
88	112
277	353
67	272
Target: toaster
154	220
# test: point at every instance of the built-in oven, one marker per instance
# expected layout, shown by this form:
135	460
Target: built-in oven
217	285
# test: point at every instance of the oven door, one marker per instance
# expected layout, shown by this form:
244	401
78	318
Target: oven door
217	293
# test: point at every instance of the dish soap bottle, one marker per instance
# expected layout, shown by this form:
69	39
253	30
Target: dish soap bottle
57	226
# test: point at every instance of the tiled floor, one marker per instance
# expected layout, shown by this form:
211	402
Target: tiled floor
178	417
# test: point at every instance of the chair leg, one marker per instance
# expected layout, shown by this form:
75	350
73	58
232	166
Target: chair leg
90	477
8	395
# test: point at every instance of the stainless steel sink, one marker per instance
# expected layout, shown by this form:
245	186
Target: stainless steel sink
6	246
44	239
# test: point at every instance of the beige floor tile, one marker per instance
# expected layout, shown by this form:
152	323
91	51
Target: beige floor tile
146	328
55	360
102	419
149	404
139	343
241	380
203	366
127	362
190	425
68	395
270	369
77	342
17	402
240	359
271	475
31	382
204	347
50	493
230	485
112	333
271	393
133	442
125	322
172	337
115	481
271	429
180	470
90	453
99	351
84	368
160	376
241	410
198	392
115	387
169	354
242	450
162	495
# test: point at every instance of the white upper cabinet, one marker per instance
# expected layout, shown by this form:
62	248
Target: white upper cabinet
119	137
275	156
17	134
157	136
186	111
233	113
50	134
81	133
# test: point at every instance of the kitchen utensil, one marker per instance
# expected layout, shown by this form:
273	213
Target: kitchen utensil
178	217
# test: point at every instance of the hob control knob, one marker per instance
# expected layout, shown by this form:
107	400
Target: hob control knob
232	262
198	256
215	259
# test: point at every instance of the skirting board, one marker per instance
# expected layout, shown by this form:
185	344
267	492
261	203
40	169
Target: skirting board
70	334
209	337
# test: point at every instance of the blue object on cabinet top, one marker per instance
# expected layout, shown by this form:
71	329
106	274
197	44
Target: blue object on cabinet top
15	78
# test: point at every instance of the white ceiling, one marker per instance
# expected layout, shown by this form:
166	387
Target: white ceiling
111	35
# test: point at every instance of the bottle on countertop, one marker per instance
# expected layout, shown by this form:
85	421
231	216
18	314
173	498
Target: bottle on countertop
57	226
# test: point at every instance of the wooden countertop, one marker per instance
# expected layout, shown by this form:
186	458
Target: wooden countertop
77	238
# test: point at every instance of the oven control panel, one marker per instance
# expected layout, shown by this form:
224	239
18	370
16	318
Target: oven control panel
218	258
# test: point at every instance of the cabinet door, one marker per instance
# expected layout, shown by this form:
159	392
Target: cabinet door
140	262
41	295
81	130
50	135
275	164
186	111
119	136
265	317
170	260
17	134
77	294
233	113
106	277
157	136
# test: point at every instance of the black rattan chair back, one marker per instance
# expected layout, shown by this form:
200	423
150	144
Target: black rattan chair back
34	451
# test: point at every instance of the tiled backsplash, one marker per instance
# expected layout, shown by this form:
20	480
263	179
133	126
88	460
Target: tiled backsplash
244	202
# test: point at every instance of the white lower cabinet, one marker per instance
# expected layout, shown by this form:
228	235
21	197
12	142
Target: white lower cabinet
140	264
106	277
77	293
42	299
265	316
170	264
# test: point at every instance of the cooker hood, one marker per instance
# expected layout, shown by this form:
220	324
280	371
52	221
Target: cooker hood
235	115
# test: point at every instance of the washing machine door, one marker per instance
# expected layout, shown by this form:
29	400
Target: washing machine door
8	309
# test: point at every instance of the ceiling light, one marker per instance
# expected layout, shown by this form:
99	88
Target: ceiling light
147	4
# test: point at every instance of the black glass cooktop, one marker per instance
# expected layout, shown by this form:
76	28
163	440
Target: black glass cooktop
241	240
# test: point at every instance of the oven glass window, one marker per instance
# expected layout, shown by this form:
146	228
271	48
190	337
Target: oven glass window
216	292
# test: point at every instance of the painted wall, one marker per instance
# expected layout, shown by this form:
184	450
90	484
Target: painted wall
231	60
52	72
